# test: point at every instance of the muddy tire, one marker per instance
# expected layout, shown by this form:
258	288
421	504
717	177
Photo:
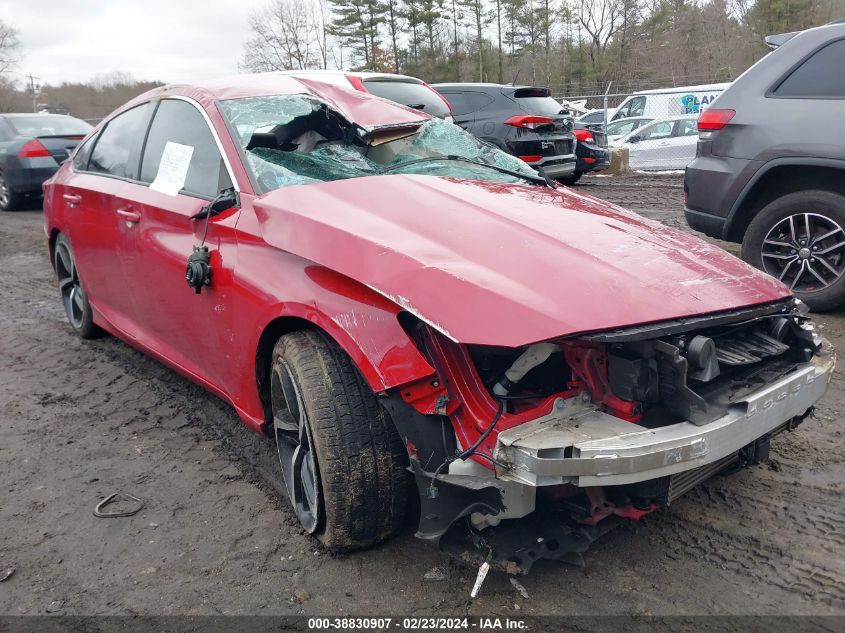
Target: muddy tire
9	200
571	180
800	239
343	463
78	310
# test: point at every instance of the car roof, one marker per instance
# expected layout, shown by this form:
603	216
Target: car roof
482	85
41	114
657	91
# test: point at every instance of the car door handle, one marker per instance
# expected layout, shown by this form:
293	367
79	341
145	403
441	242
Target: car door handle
129	215
72	199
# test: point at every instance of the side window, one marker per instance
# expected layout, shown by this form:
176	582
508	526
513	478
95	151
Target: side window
657	132
636	107
686	128
459	102
821	76
478	100
5	134
118	148
180	122
81	156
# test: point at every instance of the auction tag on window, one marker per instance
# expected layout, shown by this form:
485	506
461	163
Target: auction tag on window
173	168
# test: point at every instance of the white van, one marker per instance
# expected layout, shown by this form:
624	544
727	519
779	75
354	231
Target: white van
666	102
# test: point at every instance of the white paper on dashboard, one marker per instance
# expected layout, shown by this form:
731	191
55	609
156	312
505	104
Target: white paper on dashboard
173	168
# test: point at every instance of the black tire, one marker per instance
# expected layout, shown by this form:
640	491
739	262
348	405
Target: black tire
820	262
9	200
77	308
359	462
571	180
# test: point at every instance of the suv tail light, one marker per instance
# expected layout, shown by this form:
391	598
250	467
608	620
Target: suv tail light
585	136
712	120
528	121
33	149
531	158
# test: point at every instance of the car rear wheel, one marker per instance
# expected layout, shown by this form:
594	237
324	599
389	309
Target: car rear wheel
78	310
571	180
343	464
800	239
9	200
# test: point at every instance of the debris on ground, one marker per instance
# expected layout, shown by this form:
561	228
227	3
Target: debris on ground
113	498
519	587
55	606
479	580
439	573
7	574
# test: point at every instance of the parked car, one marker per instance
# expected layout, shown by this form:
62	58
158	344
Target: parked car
669	102
381	292
597	116
523	121
408	91
776	187
620	127
591	151
31	148
664	144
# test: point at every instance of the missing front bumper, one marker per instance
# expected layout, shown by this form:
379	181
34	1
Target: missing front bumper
578	444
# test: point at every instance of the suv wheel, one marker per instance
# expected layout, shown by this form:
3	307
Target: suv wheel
799	239
343	463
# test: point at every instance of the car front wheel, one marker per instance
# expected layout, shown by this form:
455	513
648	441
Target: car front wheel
343	463
800	239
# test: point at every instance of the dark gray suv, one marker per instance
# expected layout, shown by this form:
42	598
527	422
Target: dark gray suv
770	166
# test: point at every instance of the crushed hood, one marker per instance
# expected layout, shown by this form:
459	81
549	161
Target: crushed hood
502	264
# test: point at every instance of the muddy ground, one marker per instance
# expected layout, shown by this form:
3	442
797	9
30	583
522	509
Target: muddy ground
80	420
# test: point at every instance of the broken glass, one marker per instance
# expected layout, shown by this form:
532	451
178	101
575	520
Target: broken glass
297	140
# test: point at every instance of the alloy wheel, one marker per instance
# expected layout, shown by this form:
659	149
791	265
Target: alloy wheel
73	296
806	251
5	193
293	442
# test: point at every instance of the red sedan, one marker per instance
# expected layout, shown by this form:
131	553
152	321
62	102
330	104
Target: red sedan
403	307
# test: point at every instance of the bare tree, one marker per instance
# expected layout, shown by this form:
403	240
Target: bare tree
287	36
9	47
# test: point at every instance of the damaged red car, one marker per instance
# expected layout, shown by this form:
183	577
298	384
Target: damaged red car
412	314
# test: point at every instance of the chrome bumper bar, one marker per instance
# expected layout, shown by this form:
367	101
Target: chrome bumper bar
581	445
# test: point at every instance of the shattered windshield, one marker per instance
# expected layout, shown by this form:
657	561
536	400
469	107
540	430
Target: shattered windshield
295	139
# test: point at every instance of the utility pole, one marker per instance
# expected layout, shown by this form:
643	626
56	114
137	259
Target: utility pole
33	88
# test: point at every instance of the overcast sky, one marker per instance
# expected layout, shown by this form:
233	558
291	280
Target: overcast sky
168	40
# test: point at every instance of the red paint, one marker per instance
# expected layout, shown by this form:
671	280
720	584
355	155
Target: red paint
481	262
600	508
584	135
531	158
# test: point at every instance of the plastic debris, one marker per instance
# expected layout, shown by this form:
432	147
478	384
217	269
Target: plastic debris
479	580
5	575
518	586
437	574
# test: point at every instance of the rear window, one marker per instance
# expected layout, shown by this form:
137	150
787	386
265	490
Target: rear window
537	101
820	76
413	95
49	126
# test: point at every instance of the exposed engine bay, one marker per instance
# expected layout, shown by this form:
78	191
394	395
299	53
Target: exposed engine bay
575	435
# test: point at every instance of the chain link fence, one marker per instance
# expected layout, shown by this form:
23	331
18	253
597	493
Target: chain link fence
657	127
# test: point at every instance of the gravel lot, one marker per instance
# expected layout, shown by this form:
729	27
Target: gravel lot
80	420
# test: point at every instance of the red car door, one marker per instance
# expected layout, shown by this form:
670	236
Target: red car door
88	197
191	330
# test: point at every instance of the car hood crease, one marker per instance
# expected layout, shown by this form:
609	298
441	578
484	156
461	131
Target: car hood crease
507	264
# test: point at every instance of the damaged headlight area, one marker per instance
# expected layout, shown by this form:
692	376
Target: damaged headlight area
522	454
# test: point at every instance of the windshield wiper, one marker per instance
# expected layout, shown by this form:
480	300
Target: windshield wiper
540	180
